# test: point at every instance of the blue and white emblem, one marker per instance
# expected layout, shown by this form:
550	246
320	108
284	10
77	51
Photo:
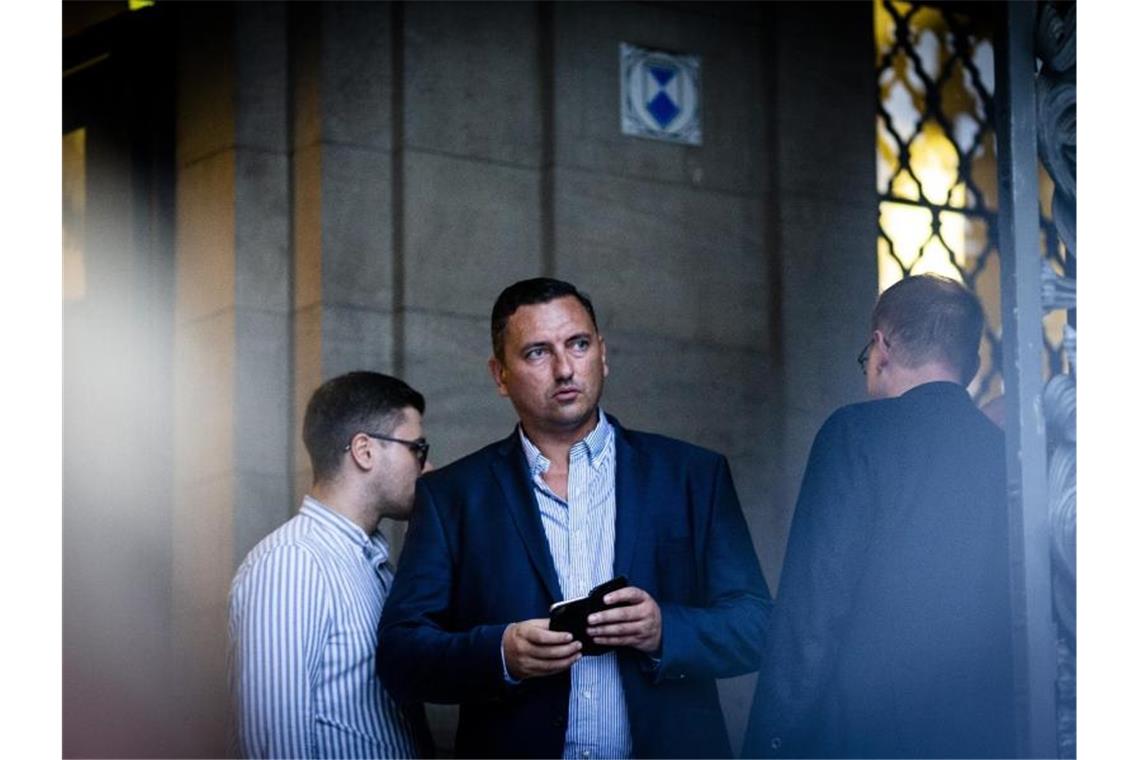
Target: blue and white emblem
660	95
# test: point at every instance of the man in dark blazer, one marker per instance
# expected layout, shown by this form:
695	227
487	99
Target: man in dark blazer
568	500
891	634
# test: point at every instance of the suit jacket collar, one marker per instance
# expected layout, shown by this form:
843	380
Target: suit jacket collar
631	492
511	471
939	389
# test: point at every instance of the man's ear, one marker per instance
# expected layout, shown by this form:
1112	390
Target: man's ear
884	353
605	366
360	451
498	373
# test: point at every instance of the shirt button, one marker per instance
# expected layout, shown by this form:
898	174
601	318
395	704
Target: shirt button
777	742
587	694
586	754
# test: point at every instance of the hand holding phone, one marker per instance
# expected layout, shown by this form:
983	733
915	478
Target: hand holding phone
570	615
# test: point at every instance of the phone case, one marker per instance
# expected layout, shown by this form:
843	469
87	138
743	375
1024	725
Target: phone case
570	615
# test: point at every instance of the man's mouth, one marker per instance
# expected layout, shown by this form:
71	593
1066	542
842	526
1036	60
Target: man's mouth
567	394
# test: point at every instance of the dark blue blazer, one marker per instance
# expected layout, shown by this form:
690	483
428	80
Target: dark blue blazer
476	559
891	635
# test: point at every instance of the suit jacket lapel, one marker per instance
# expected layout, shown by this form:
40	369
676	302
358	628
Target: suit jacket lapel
631	497
511	472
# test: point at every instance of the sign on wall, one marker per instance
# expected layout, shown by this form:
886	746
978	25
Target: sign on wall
660	95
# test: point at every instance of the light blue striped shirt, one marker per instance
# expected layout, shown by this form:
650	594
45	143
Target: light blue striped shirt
304	609
580	532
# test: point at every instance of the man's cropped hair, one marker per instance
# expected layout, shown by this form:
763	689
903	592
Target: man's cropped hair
349	404
928	318
528	293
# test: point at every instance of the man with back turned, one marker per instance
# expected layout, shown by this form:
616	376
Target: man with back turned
891	634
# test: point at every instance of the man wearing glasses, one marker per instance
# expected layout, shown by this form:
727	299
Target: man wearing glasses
569	500
305	603
891	635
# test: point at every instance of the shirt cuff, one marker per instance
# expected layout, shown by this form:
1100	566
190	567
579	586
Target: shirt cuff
506	673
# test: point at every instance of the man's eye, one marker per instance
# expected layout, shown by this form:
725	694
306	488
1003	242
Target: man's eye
581	344
534	353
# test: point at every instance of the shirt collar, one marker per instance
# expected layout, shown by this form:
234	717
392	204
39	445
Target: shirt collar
596	444
338	524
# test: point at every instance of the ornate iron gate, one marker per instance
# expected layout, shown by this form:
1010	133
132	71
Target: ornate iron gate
977	180
1036	112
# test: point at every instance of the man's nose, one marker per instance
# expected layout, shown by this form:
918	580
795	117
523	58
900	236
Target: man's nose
563	367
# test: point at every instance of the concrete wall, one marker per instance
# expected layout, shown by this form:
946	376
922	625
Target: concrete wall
357	182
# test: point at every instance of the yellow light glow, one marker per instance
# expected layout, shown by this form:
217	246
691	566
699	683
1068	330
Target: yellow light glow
936	259
74	214
935	163
136	5
933	177
909	229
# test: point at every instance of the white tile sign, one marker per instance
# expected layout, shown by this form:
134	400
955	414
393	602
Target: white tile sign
660	95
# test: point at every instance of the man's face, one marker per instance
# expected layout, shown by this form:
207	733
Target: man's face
398	468
553	367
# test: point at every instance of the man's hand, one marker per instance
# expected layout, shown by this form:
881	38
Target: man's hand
532	649
637	625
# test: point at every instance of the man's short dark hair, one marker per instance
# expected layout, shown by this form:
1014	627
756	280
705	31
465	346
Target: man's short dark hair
931	318
527	293
349	404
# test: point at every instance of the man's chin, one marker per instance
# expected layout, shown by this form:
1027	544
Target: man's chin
572	416
400	516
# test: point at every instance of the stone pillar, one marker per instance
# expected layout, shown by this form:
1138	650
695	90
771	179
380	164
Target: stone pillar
471	163
231	333
345	295
472	158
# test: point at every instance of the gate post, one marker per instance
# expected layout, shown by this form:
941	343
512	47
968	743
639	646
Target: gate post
1035	647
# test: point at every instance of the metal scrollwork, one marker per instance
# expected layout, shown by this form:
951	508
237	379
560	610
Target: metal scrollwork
1060	398
1056	47
1057	111
1070	346
1065	217
1057	130
1057	146
1057	292
1057	35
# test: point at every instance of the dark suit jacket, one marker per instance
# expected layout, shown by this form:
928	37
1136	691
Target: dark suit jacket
891	634
476	559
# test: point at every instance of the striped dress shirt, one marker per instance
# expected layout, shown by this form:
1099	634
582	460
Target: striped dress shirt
304	609
580	532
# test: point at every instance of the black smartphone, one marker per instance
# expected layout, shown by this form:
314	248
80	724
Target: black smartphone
570	615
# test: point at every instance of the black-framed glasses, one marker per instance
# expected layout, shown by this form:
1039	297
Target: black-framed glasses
419	447
865	354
